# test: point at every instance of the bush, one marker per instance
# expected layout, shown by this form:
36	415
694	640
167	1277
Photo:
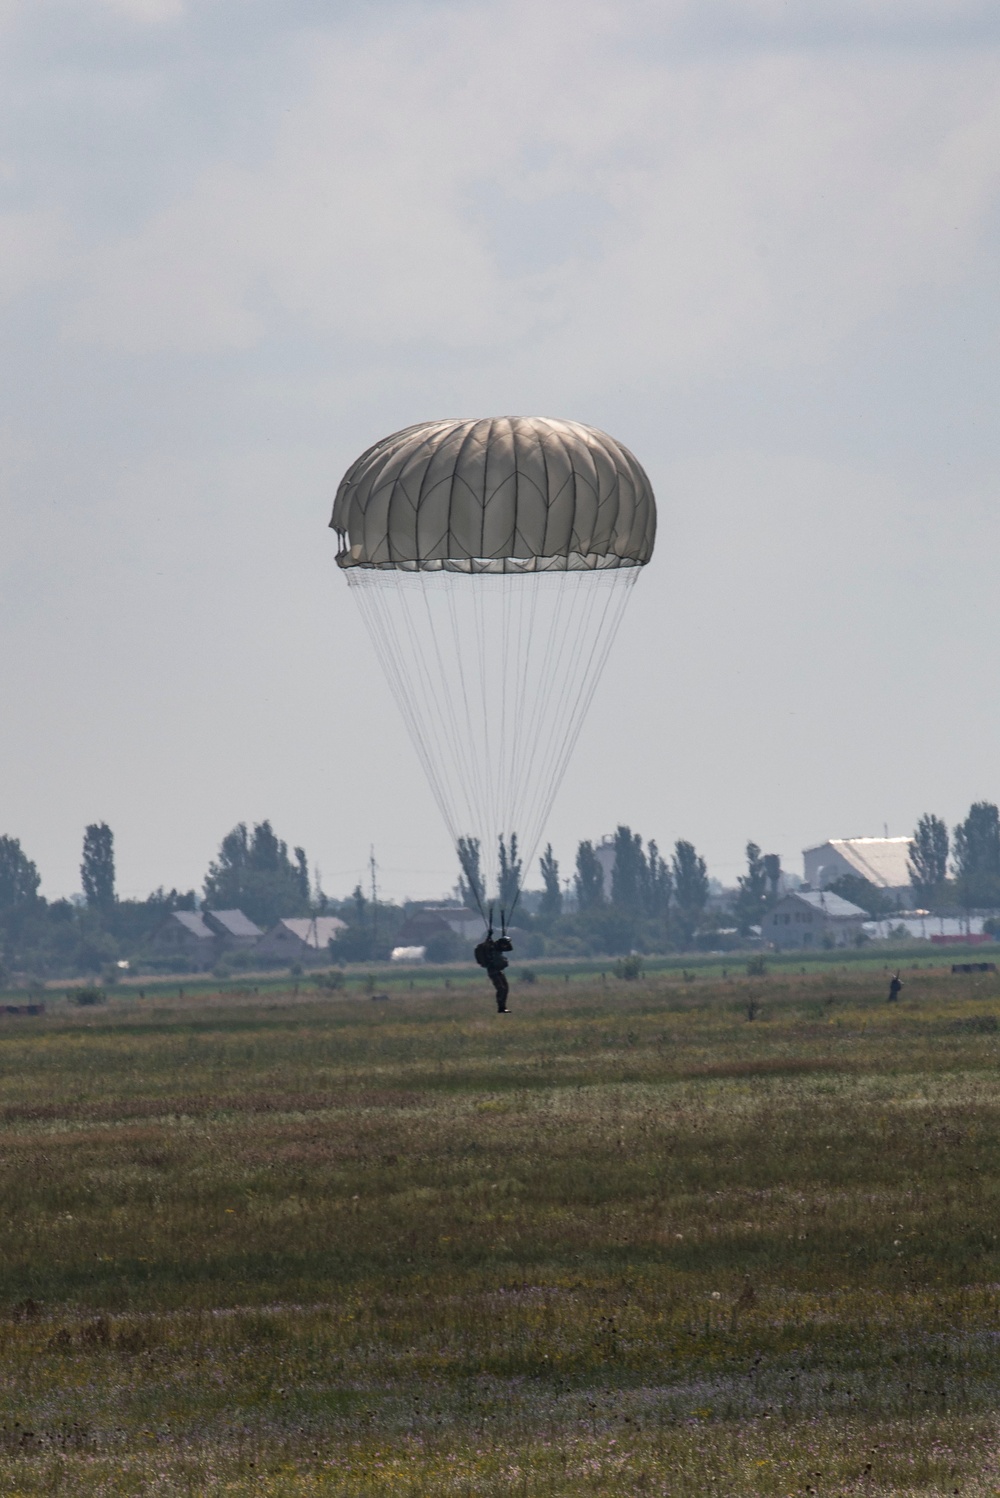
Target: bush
329	982
86	996
757	968
629	967
527	975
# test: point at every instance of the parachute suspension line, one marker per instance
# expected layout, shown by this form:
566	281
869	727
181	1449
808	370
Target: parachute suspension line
557	677
505	727
566	726
617	598
493	674
484	687
565	682
412	678
471	879
461	744
552	689
523	757
371	599
525	639
618	591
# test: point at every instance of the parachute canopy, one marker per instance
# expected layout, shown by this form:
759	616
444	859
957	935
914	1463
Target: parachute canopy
492	560
512	494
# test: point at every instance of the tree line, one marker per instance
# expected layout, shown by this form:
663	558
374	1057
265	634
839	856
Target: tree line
253	872
649	902
961	870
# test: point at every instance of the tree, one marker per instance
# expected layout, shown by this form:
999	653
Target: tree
510	874
690	875
470	881
97	871
660	884
751	900
977	856
589	878
302	871
928	862
19	878
772	873
552	900
254	873
629	873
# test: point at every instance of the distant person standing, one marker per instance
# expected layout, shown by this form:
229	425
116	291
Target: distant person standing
894	988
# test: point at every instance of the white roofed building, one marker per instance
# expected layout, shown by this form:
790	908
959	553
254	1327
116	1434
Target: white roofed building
813	918
883	861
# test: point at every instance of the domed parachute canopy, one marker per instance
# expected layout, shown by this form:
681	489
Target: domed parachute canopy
492	560
514	494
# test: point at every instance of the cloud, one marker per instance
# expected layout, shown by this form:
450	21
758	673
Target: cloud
737	208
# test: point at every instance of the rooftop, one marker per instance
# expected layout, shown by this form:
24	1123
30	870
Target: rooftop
883	861
826	901
194	923
316	931
234	923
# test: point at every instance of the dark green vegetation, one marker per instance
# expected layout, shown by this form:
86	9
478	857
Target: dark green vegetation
624	1241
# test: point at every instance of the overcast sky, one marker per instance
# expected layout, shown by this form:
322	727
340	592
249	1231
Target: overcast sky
240	240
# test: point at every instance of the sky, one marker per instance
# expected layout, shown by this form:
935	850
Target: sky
241	240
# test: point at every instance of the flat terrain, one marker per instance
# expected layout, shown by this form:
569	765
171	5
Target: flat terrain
626	1240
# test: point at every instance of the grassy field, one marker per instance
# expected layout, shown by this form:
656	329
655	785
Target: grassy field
623	1241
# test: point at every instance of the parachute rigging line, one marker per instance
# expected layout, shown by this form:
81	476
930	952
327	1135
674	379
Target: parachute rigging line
493	675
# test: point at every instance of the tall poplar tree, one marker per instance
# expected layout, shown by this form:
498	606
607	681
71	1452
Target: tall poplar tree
97	871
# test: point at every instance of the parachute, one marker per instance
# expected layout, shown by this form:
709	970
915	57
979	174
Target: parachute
492	560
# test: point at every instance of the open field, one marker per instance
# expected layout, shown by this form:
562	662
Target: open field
623	1241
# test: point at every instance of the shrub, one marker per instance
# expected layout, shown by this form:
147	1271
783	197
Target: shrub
757	968
329	981
86	996
528	975
629	967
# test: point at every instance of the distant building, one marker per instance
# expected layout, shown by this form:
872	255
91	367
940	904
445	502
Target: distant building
883	861
458	918
604	852
185	934
201	937
813	918
423	925
236	931
302	938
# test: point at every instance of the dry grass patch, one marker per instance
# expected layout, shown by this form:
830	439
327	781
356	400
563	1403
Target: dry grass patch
626	1242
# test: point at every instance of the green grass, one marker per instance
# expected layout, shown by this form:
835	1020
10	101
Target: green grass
624	1241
